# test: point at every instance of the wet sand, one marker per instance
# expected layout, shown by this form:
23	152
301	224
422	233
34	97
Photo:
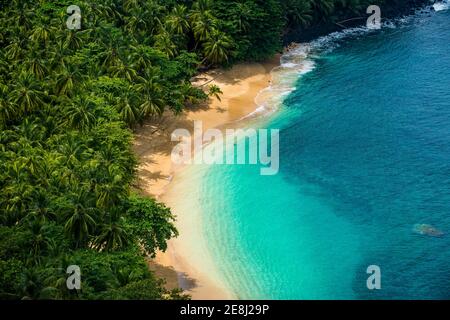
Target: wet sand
240	86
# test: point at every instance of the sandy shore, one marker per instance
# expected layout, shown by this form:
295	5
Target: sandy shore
240	86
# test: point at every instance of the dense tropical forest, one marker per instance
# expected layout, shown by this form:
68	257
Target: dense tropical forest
69	100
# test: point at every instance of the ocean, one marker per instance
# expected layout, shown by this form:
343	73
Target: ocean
364	119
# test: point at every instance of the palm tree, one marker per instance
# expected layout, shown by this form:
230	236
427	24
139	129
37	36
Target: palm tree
57	280
152	103
243	11
322	8
40	210
36	65
218	47
22	18
136	22
110	193
215	91
4	65
203	27
113	234
165	44
39	238
80	113
350	6
31	131
7	110
111	55
202	20
201	6
154	11
31	284
41	34
80	218
126	106
59	56
106	10
27	93
15	49
73	150
141	57
18	196
130	5
67	79
123	70
299	14
72	39
178	20
124	276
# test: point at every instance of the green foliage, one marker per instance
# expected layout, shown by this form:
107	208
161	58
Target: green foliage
148	224
215	91
68	99
66	164
10	276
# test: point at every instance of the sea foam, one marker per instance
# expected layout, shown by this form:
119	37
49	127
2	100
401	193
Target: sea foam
300	60
293	65
441	6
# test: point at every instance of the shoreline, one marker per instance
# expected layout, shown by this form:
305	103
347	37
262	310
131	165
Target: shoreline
187	263
241	85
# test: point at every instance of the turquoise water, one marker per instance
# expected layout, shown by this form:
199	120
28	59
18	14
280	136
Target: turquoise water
365	156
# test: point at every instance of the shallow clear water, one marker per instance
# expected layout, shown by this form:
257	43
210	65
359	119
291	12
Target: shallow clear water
365	156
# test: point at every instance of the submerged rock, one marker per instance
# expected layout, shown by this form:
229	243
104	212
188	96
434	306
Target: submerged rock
427	230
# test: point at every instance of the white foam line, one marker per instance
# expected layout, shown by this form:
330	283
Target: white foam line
298	61
332	41
293	64
441	6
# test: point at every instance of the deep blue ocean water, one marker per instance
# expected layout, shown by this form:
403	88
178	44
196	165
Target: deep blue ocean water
365	156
